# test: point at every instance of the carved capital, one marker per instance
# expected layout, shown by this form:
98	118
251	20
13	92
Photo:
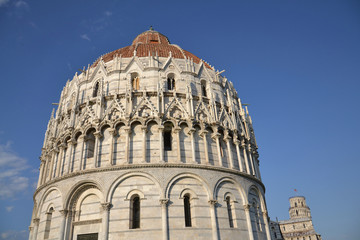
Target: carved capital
144	129
247	207
106	206
236	142
64	212
127	129
176	129
164	201
72	142
98	134
227	138
62	146
203	133
36	221
215	135
192	130
161	128
265	213
113	131
212	202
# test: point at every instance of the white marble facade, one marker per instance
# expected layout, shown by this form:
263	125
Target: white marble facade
153	125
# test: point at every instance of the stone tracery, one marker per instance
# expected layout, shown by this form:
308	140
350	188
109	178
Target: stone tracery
121	112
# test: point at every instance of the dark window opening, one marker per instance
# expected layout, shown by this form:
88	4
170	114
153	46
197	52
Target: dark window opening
221	149
135	212
90	145
171	83
89	236
167	140
229	210
187	210
203	89
96	89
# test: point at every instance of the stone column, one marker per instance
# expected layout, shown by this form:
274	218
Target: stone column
248	220
203	135
59	160
82	138
216	136
68	220
227	140
144	131
214	225
62	226
42	167
243	146
113	133
31	232
127	143
53	161
36	222
257	165
177	133
161	144
105	220
97	135
72	143
251	162
267	229
164	218
46	172
191	132
241	167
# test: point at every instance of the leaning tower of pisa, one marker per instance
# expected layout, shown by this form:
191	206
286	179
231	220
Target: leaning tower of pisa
149	142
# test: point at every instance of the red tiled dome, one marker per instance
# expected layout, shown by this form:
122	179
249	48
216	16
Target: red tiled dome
151	43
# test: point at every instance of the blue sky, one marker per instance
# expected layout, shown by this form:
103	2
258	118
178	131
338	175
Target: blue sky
297	63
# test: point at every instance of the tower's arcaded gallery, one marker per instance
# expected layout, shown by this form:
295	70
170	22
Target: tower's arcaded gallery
149	142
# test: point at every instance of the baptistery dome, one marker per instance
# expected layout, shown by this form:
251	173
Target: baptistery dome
149	142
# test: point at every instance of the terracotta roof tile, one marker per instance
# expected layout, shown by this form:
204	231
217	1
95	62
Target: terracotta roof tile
153	43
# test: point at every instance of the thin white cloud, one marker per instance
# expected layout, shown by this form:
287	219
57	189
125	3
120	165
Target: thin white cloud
3	2
85	37
33	25
9	208
14	235
108	13
11	171
21	4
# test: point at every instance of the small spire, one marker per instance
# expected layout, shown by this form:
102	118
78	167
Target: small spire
151	28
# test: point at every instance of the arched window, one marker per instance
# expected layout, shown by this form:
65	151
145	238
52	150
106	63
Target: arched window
135	212
171	82
229	210
48	223
187	210
135	84
96	89
203	88
90	144
167	137
295	204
